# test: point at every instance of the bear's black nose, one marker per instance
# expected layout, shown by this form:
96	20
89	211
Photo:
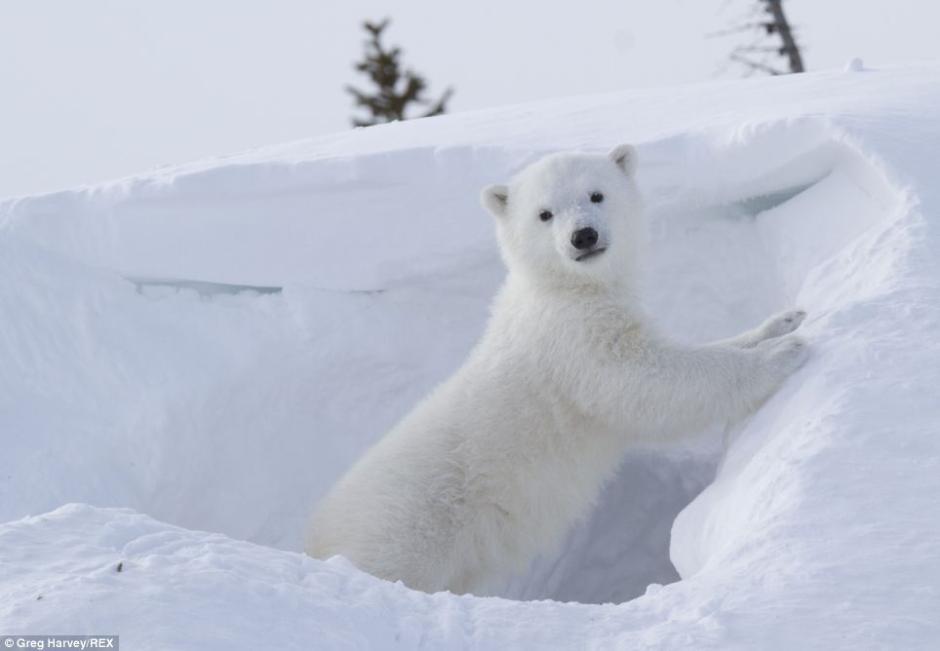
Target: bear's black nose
584	238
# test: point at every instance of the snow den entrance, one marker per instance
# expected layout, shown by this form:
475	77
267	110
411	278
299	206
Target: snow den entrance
739	228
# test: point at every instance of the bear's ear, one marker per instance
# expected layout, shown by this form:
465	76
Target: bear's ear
495	199
624	156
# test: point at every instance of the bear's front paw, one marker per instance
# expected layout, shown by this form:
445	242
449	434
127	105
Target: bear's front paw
787	354
782	324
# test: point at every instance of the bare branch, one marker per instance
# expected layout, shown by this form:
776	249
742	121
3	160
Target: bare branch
744	27
766	19
756	65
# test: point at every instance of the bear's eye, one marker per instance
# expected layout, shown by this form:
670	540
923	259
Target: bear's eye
545	215
596	197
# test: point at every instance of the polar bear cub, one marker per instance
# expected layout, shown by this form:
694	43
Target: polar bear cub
496	464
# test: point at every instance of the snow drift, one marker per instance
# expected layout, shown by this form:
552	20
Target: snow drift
210	347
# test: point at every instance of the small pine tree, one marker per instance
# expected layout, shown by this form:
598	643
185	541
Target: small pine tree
396	90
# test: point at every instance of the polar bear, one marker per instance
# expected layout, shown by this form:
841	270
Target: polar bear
498	462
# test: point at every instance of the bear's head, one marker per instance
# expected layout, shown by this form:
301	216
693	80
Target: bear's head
571	219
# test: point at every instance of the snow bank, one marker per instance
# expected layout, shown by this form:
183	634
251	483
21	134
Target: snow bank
213	345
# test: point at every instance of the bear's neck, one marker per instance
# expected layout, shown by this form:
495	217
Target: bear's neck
622	295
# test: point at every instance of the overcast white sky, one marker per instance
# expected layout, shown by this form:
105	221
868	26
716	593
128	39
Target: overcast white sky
98	89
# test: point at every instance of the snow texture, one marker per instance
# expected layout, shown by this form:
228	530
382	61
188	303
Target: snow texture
207	348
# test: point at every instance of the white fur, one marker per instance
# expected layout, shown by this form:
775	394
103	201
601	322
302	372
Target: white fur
496	464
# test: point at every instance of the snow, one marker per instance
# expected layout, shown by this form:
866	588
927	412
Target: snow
191	357
855	64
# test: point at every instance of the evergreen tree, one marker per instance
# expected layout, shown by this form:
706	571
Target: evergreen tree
396	90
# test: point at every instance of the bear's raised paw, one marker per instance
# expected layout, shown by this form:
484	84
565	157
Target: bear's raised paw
782	324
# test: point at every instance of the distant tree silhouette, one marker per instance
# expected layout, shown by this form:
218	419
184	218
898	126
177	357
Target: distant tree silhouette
396	90
767	20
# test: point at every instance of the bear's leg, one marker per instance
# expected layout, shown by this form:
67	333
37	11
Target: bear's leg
674	389
775	326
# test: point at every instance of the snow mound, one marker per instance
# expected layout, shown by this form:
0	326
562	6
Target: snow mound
214	345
